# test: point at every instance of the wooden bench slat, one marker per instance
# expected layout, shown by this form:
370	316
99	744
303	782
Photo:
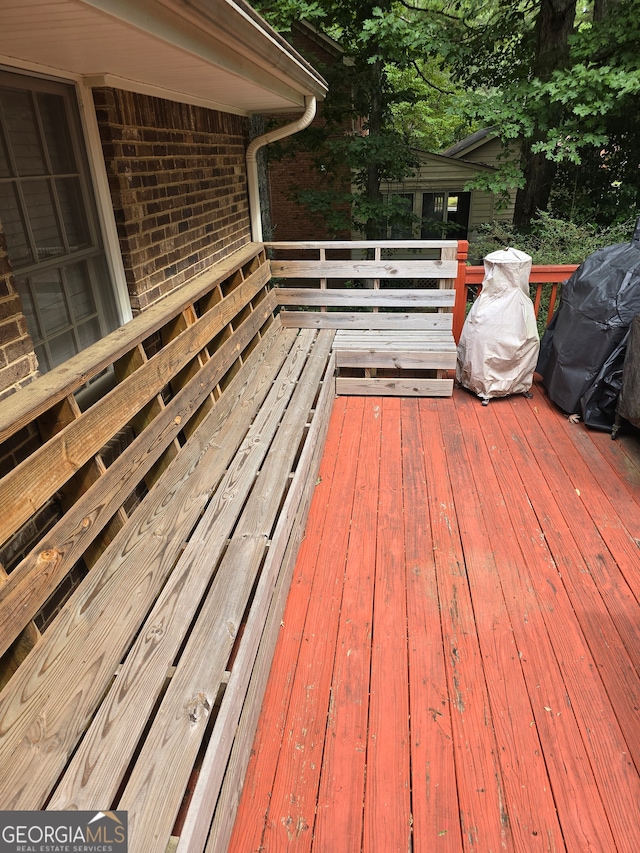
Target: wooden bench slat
95	769
37	576
34	481
42	722
172	744
367	297
220	780
149	660
391	269
353	386
364	320
399	360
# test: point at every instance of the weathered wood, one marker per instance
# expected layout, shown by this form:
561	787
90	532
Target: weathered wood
364	320
42	724
399	360
33	400
105	752
354	386
433	771
31	483
35	578
328	245
293	794
387	803
260	632
387	269
249	827
363	297
173	742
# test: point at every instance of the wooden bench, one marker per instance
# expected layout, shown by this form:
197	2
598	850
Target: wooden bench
394	323
142	693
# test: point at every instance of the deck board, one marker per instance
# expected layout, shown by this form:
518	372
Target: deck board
466	609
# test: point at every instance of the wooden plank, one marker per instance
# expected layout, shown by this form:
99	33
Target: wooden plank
594	579
387	803
393	339
363	297
173	742
36	577
19	410
31	484
251	667
41	723
436	824
365	320
293	798
483	820
388	269
256	794
344	768
328	245
353	386
568	701
529	804
401	359
589	502
99	764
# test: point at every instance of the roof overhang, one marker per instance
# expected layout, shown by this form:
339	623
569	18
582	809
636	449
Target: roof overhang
215	53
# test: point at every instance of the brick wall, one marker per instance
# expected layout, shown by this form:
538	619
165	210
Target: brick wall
18	363
178	186
290	219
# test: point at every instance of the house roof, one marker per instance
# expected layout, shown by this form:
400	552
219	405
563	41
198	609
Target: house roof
470	143
215	53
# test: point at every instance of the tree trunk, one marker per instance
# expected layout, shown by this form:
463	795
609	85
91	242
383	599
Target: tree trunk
554	25
373	173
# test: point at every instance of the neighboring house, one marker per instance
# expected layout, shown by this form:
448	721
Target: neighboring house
437	193
124	130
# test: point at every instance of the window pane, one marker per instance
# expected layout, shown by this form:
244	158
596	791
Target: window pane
22	131
56	133
74	216
13	226
79	290
42	218
62	347
52	306
89	333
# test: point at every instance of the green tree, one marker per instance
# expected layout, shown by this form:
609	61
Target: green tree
375	91
563	82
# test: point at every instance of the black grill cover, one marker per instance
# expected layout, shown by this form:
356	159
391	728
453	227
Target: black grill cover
596	308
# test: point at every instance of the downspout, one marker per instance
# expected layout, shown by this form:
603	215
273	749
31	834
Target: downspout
252	162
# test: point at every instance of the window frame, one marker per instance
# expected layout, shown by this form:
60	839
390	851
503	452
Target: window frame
97	179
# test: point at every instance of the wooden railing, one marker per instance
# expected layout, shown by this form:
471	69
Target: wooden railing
545	278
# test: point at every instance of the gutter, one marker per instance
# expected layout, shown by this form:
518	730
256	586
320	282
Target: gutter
252	163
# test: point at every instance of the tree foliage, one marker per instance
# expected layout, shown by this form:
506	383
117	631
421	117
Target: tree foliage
559	83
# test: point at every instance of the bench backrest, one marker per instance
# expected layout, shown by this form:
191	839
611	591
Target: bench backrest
79	471
366	285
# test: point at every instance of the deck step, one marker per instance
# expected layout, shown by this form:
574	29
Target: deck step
425	354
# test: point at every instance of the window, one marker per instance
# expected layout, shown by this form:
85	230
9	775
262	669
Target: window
440	209
49	219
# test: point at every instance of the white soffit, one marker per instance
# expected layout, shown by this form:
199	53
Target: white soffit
216	53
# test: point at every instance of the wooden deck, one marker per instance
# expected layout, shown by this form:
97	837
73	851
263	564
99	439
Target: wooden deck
459	662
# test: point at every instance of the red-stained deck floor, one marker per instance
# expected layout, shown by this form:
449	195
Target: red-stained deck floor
459	662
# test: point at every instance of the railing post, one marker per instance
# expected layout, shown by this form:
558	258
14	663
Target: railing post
459	309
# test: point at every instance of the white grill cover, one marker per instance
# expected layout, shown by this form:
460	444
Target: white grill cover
499	344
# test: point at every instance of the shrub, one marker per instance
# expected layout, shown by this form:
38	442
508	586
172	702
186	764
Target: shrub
550	241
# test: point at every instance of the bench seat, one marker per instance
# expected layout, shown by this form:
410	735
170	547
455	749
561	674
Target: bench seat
134	697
